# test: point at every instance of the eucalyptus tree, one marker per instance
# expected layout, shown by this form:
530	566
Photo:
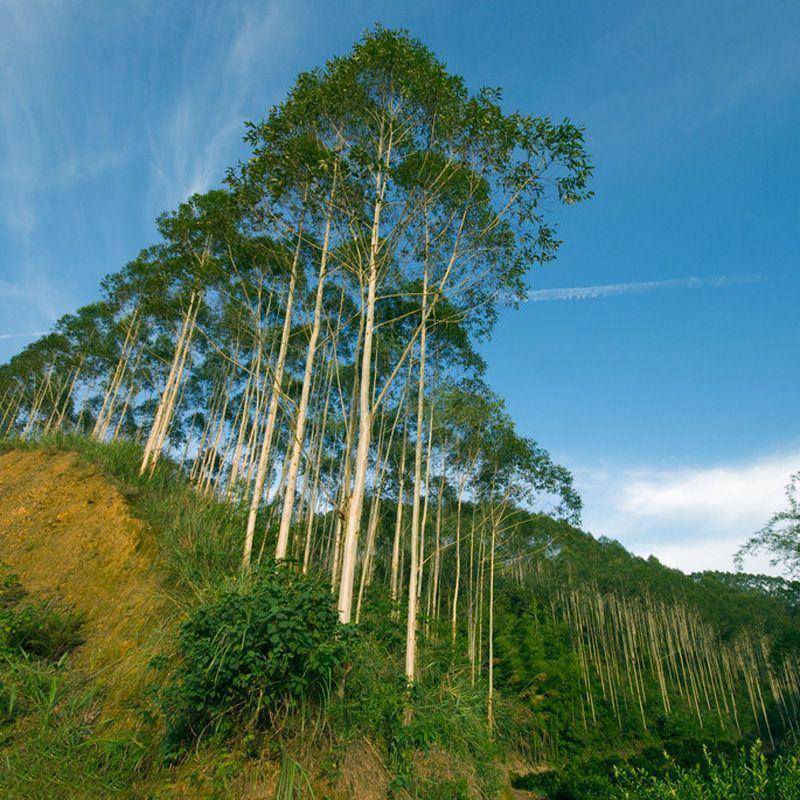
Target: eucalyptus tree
307	336
781	535
42	381
292	169
166	286
296	149
432	159
512	472
467	409
34	385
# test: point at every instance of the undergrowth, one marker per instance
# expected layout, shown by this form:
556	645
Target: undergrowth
746	776
269	643
49	745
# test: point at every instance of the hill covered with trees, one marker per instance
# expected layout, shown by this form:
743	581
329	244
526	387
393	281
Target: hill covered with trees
356	543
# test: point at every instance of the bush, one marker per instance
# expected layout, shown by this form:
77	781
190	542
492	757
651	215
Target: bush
447	790
36	628
749	776
268	641
11	591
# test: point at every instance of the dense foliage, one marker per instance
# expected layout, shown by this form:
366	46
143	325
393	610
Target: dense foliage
265	644
658	775
746	777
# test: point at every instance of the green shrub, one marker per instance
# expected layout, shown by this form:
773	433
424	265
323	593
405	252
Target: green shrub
447	790
748	776
39	628
579	781
11	590
42	630
268	641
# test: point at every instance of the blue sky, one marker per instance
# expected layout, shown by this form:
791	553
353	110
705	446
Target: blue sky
671	393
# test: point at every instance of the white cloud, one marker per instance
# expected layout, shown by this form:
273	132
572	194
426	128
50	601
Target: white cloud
692	518
28	335
614	289
30	304
198	136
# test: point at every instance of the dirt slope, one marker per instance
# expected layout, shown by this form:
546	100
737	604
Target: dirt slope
67	532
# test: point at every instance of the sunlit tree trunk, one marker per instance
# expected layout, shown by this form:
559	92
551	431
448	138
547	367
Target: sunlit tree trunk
414	565
300	418
490	698
356	499
457	580
398	523
277	381
158	432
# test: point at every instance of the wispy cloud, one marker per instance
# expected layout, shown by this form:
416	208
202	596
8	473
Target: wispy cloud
28	335
34	295
640	287
235	66
691	518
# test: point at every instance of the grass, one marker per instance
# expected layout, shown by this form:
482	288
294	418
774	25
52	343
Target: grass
49	745
54	742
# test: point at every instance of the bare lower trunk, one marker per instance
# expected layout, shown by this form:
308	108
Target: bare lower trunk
302	408
356	500
398	523
490	697
277	380
457	582
411	619
312	502
161	422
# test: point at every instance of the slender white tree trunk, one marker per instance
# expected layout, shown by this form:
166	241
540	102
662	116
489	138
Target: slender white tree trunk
277	380
167	396
300	420
457	582
356	500
398	522
411	620
490	698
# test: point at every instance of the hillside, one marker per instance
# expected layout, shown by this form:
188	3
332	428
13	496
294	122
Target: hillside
135	558
68	534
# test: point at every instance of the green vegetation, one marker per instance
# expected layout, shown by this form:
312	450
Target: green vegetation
268	642
781	535
747	777
47	710
744	775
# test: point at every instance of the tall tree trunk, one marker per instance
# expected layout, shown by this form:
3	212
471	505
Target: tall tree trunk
490	697
312	504
277	380
398	523
356	500
411	620
457	581
298	432
161	422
